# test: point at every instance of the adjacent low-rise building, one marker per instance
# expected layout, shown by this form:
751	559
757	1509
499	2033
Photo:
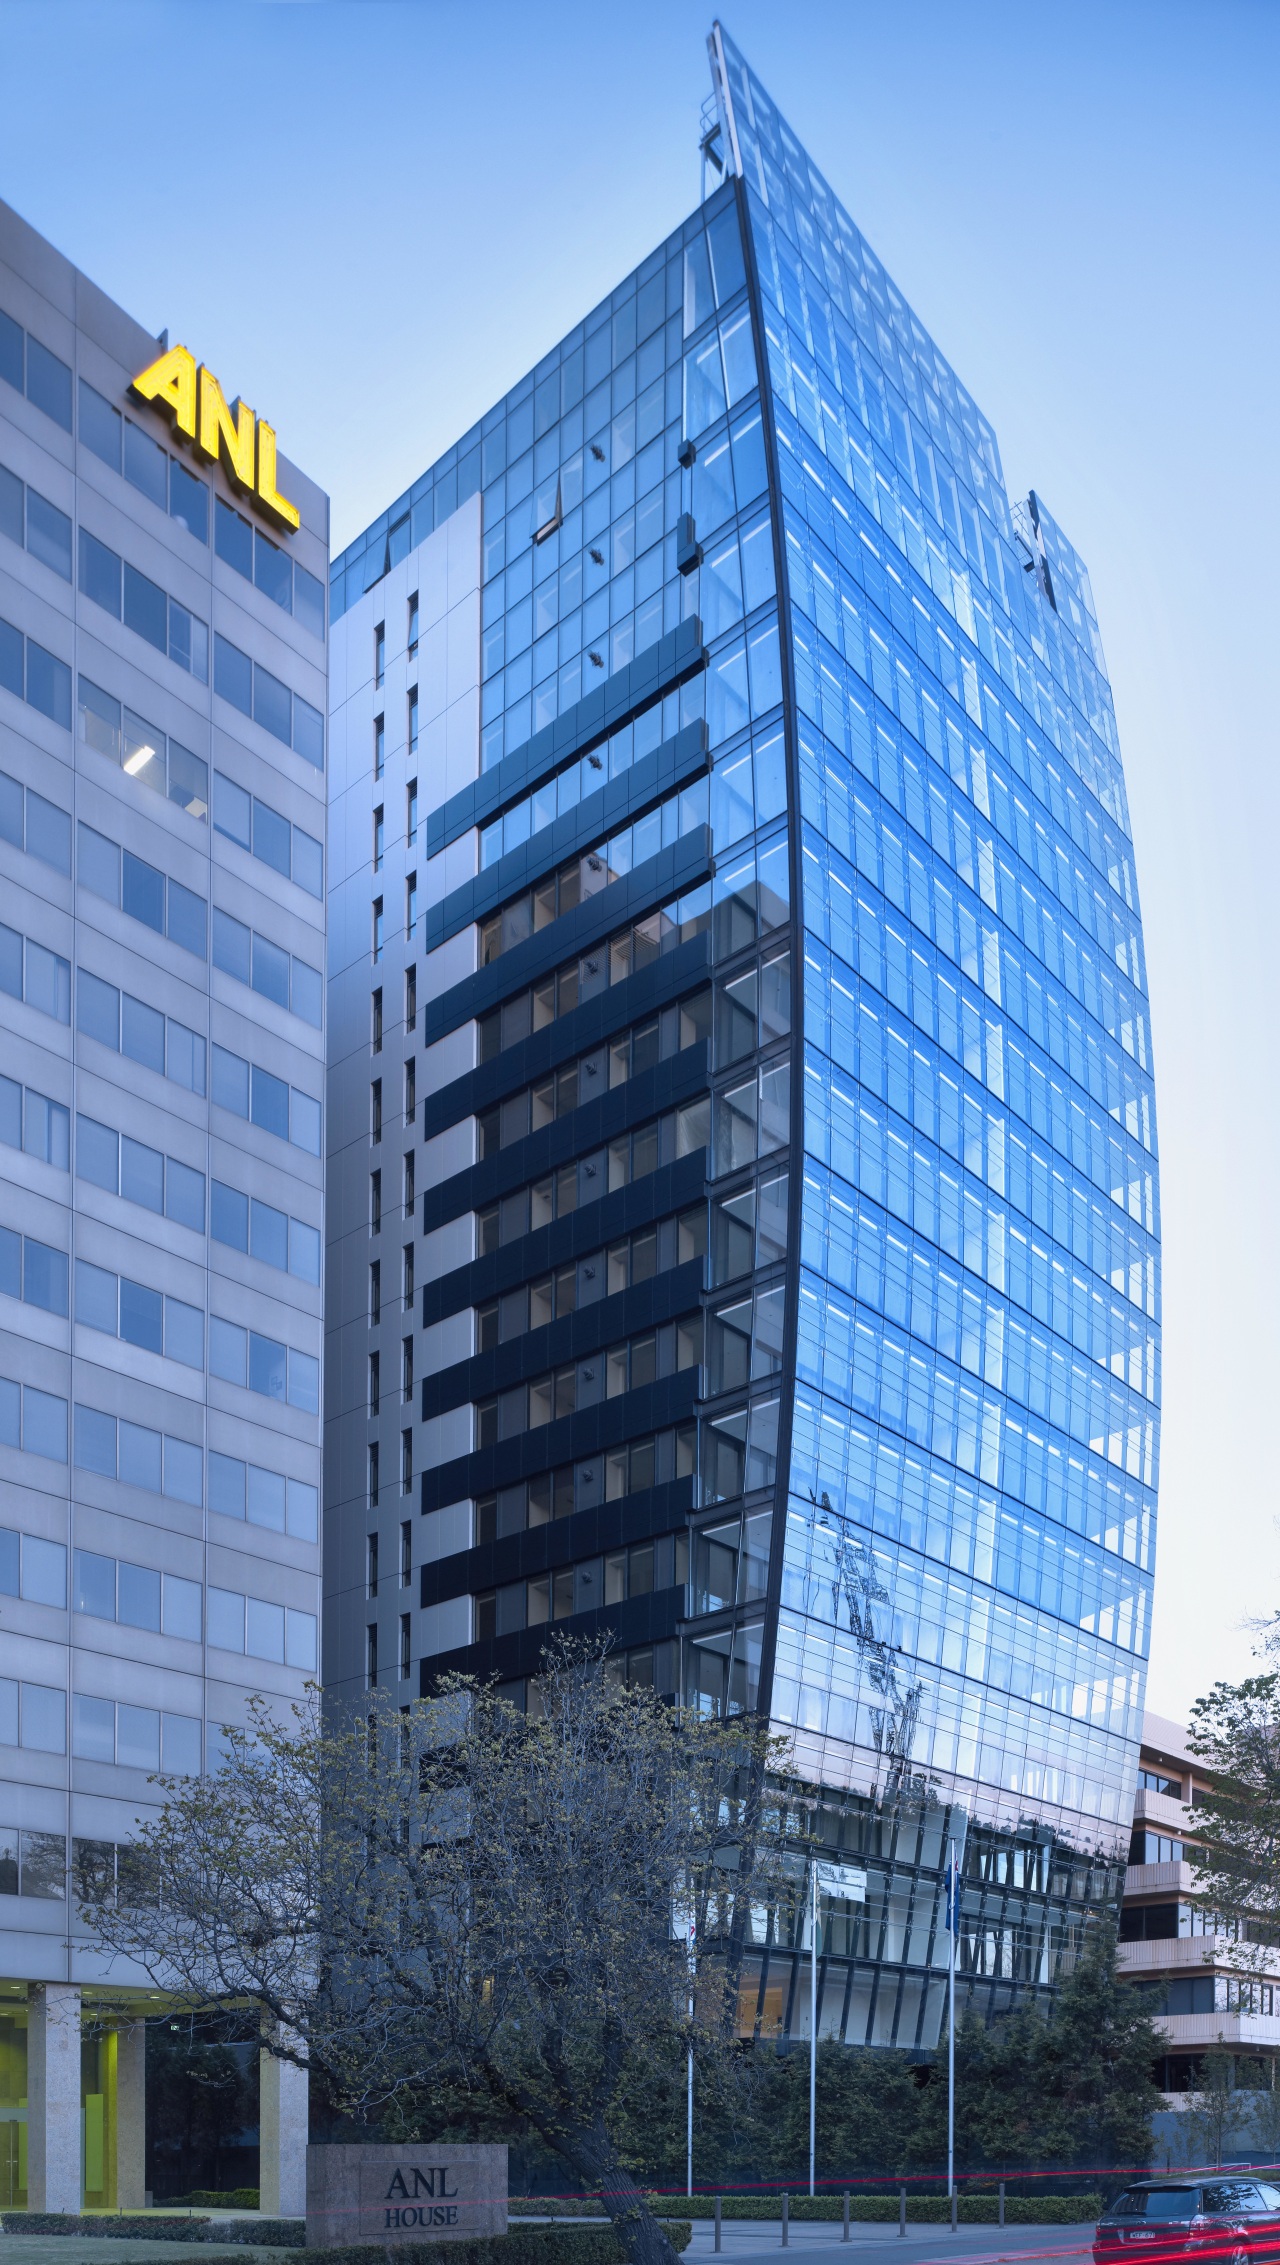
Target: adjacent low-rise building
1169	1942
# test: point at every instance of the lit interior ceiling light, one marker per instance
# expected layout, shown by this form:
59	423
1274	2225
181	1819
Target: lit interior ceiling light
140	756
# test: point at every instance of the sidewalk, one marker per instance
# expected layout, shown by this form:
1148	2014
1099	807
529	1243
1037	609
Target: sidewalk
742	2239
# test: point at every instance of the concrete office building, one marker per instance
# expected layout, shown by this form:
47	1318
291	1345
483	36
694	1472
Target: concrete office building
162	931
743	1190
1170	1943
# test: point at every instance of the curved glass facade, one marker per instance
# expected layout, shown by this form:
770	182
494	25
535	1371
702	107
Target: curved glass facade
787	1295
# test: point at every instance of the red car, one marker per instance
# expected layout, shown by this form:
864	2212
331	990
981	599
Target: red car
1230	2217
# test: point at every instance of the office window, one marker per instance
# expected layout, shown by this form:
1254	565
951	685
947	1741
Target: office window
371	1565
376	1021
408	1183
375	1109
379	745
406	1276
380	652
411	813
410	1090
375	1203
375	1299
132	597
267	835
413	624
413	719
379	838
32	1122
405	1644
411	998
406	1368
34	675
30	823
373	1470
406	1553
38	977
411	906
378	931
40	526
406	1461
371	1656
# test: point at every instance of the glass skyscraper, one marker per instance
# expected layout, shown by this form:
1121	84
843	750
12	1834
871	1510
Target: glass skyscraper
743	1191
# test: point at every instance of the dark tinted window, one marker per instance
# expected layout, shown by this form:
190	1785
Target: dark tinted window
1232	2195
273	572
48	684
146	465
271	704
271	837
100	426
49	383
232	670
1172	2201
146	609
189	501
143	892
10	505
11	351
99	573
308	601
49	534
233	539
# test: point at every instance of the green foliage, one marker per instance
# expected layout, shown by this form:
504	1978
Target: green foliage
212	2198
882	2209
151	2225
1075	2089
526	2245
1233	1734
157	2225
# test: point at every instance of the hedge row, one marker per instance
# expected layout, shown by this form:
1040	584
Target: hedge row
158	2225
526	2245
882	2209
208	2198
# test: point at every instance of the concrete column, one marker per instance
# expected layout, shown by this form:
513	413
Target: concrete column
53	2096
131	2116
282	2138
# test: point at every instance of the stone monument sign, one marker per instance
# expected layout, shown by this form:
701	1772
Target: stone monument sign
412	2193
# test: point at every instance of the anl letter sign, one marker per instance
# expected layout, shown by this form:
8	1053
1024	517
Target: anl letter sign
247	444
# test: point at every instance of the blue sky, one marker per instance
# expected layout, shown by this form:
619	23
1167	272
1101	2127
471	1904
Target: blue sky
371	218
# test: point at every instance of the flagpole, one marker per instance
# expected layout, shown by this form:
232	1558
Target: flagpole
952	1922
813	2024
688	2141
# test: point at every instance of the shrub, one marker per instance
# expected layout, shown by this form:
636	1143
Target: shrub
882	2209
526	2245
234	2198
156	2225
263	2233
148	2225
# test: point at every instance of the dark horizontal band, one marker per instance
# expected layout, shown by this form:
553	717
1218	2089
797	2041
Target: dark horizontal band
658	669
679	759
674	870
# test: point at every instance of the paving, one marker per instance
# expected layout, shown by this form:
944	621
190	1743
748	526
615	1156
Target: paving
746	2238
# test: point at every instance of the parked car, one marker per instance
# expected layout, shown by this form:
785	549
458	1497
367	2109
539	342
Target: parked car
1231	2218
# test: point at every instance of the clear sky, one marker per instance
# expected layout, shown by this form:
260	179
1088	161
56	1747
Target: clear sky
371	218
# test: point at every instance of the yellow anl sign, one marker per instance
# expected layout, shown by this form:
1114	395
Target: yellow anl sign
198	407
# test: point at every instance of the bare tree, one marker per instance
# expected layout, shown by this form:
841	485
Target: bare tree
466	1897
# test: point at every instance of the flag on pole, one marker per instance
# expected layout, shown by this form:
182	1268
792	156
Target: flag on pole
953	1894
